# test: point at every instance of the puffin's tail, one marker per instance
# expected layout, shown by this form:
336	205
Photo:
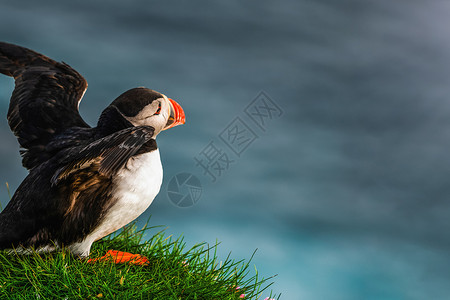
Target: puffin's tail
4	238
5	232
14	58
13	233
3	242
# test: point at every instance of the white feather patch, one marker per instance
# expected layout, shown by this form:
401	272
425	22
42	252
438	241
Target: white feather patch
135	187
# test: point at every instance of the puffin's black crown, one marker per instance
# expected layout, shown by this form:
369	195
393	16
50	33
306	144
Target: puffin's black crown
132	101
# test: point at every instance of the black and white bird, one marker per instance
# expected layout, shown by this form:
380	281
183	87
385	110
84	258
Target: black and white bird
84	182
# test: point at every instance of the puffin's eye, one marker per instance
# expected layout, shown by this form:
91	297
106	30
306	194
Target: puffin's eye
158	111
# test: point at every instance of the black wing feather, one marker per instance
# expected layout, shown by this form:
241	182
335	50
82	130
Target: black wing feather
44	102
111	152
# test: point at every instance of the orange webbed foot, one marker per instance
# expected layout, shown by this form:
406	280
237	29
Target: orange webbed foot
121	257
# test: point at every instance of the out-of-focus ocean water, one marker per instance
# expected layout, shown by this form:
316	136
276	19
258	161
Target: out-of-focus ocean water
346	194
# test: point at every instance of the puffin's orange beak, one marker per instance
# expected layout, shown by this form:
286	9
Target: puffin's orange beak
176	115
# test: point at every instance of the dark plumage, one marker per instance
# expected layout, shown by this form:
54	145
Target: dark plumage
72	167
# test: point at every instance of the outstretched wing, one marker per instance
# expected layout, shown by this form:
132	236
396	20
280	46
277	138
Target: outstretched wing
44	102
110	153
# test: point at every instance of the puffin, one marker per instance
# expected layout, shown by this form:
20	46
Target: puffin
84	182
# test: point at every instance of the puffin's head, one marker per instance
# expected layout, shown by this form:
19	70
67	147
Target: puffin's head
142	106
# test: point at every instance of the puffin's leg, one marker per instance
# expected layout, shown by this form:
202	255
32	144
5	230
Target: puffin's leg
121	257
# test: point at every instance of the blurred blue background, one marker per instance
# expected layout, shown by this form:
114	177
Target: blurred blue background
346	195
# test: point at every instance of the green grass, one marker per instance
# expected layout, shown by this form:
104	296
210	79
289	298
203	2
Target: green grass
174	272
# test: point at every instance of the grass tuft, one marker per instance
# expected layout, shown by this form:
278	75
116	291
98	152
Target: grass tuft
172	273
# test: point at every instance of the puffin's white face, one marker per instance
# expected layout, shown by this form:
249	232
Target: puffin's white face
162	113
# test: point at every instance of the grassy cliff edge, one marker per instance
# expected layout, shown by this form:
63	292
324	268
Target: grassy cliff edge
172	273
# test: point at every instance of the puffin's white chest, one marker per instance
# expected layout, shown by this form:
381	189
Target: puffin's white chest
138	183
135	187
